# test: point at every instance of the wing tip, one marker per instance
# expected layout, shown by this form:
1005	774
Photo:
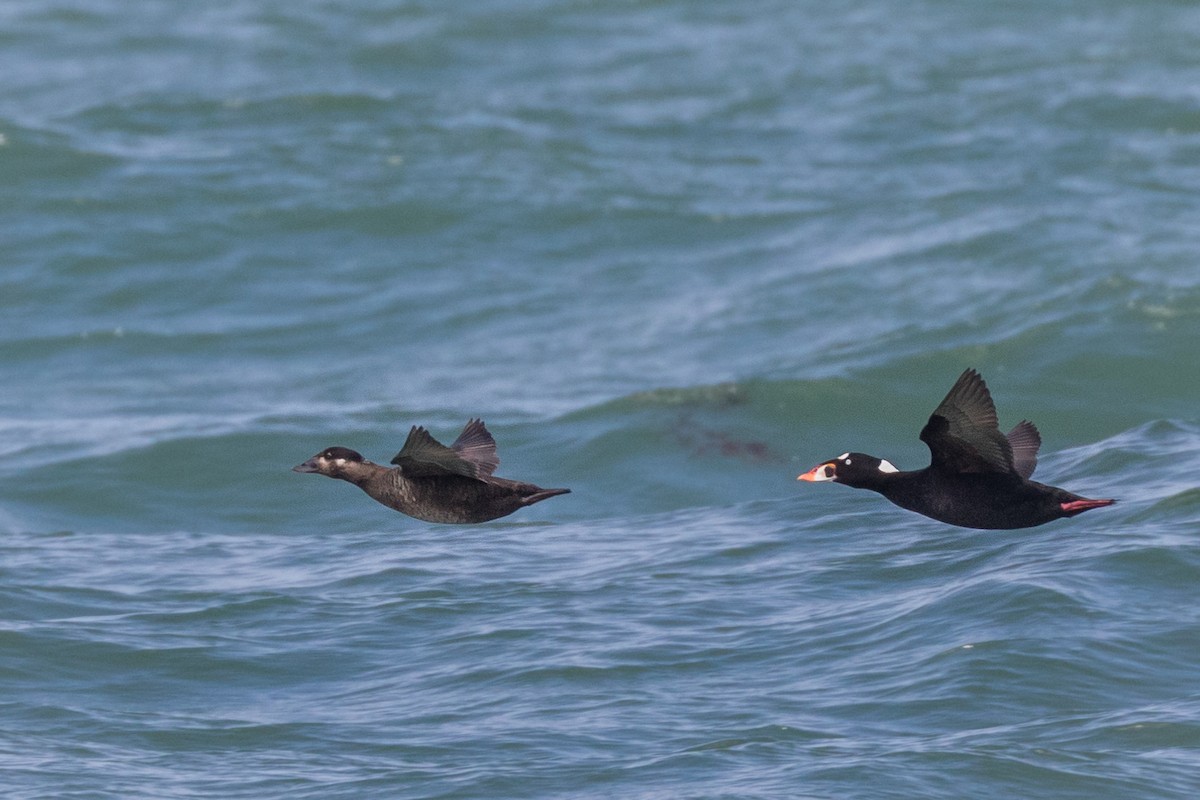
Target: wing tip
477	446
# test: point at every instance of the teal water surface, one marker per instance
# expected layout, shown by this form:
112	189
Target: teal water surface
674	254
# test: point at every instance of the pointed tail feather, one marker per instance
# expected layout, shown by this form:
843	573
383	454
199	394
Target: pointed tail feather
544	494
1074	507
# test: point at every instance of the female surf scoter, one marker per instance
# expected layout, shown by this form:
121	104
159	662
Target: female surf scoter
977	478
434	482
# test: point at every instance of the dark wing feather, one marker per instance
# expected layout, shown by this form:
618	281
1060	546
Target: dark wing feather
1025	441
476	445
962	433
424	456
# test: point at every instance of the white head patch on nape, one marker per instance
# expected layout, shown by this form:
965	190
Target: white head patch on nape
886	466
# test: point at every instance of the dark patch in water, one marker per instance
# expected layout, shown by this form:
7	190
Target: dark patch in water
701	441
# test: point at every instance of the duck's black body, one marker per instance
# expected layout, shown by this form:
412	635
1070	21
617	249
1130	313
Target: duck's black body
981	501
977	476
433	482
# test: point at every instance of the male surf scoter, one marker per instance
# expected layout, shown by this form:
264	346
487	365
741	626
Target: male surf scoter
434	482
977	478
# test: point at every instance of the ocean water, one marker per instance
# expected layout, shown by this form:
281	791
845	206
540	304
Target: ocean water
674	253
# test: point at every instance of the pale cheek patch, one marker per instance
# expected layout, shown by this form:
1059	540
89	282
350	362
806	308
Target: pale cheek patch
886	466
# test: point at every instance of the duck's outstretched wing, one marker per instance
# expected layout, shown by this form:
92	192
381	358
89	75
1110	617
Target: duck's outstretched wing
962	432
473	454
1024	441
475	444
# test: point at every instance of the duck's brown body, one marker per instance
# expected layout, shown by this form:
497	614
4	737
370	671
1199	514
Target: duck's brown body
447	498
433	482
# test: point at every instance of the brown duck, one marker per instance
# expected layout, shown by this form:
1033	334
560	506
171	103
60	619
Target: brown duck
433	482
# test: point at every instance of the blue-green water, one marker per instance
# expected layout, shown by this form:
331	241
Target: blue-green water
674	253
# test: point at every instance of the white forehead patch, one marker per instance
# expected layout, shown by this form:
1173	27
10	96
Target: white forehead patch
886	466
843	456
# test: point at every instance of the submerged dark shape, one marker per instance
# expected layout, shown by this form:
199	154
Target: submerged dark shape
977	476
703	441
433	482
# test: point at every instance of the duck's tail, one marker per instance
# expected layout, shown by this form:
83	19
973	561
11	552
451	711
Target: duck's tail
542	494
1074	507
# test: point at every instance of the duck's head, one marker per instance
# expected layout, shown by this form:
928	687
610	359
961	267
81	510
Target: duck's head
852	469
336	462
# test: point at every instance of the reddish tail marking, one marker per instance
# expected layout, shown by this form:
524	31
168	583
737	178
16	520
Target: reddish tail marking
1077	506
